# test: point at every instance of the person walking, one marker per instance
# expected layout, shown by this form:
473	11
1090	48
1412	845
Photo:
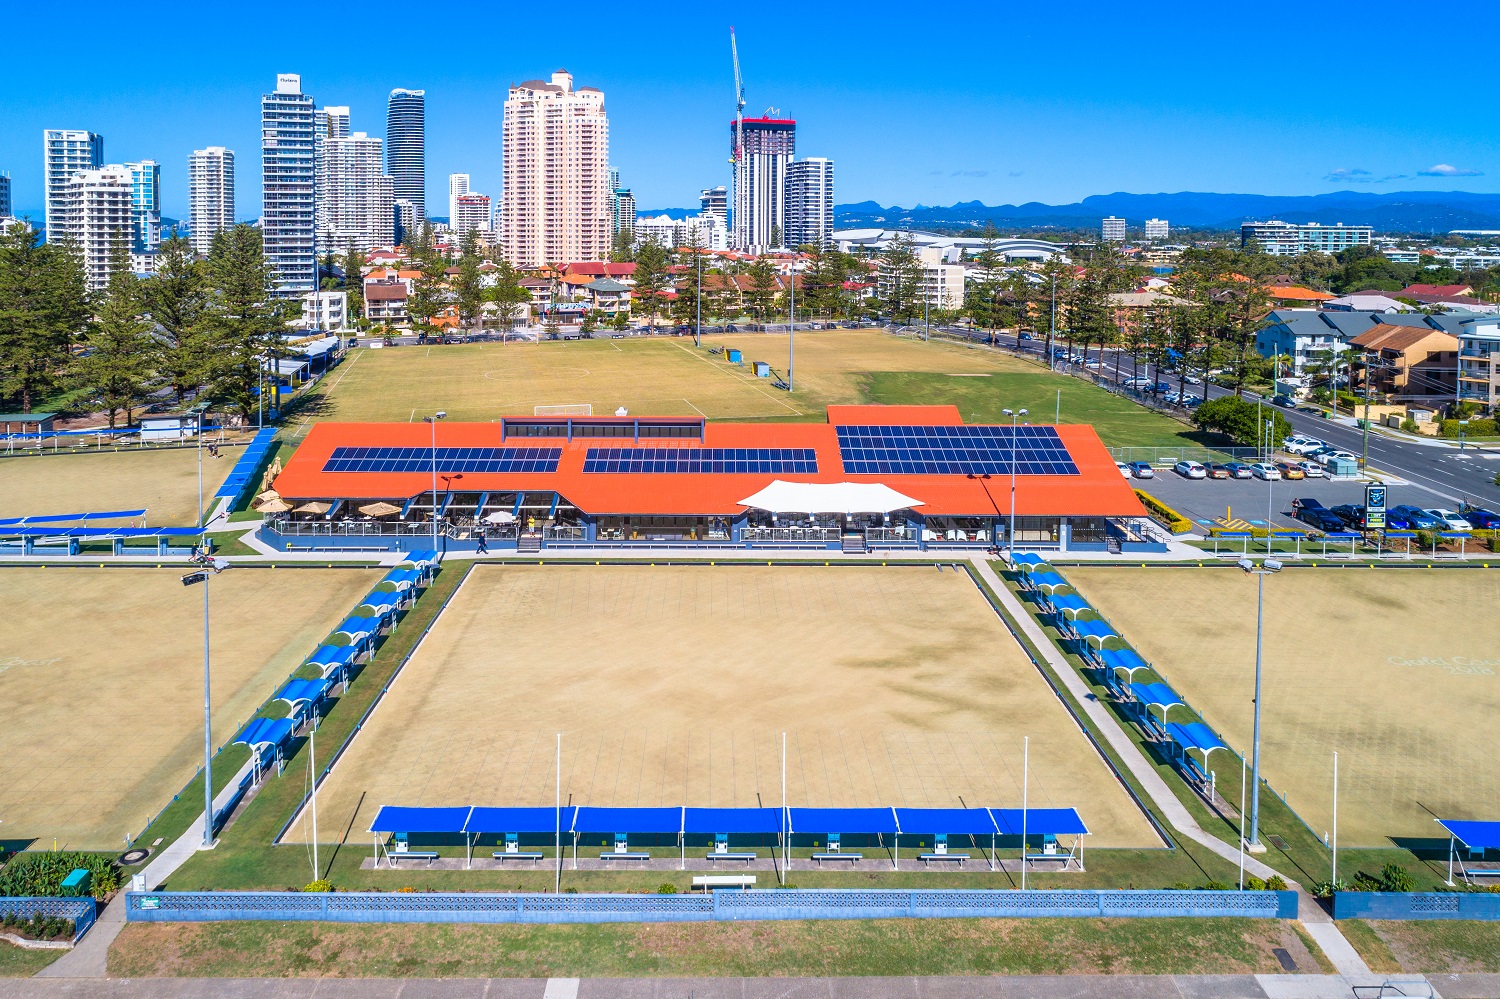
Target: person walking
481	547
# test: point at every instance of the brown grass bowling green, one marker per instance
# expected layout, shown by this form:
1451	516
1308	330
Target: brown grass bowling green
673	685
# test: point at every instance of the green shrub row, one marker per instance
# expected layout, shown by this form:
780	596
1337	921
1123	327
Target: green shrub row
38	927
1476	428
1163	514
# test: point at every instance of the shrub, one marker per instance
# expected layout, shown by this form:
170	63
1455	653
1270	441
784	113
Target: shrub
1163	514
322	884
1182	886
43	873
1276	883
1476	428
1235	417
1326	889
1410	426
1394	877
1254	883
1216	886
667	889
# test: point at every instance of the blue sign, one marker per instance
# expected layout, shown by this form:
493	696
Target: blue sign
1374	507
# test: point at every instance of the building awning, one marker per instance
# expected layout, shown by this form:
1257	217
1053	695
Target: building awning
829	497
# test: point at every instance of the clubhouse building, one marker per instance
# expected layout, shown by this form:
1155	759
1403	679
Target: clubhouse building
872	477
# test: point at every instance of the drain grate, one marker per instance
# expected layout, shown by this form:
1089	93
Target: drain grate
1277	842
1284	959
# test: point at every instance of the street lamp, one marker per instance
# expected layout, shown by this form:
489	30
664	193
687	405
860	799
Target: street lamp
1010	535
982	478
1260	572
210	567
448	481
433	421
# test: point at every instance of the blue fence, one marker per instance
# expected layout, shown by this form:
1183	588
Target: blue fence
1416	905
82	911
506	907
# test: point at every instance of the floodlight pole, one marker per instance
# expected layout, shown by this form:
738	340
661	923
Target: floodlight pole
557	836
208	744
791	342
1260	572
432	420
1010	535
1335	877
1242	823
1025	788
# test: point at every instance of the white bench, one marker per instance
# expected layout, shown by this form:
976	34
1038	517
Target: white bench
707	881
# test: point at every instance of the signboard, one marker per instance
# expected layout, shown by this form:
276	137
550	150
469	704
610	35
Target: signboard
1374	507
150	902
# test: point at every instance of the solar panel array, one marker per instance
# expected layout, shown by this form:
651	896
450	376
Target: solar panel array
954	450
702	460
450	460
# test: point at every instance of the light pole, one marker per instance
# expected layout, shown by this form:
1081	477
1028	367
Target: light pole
982	478
1260	572
448	481
791	342
433	421
698	298
210	566
1010	534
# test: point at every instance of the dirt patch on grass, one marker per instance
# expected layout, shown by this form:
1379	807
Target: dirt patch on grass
859	948
1455	946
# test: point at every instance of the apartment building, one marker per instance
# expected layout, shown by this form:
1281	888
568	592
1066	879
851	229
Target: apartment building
65	151
760	168
406	147
809	203
359	200
941	278
1479	364
1283	239
458	184
471	213
556	199
145	207
210	195
1113	230
96	210
1157	230
289	186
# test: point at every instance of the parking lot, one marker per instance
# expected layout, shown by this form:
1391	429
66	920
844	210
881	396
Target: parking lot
1205	500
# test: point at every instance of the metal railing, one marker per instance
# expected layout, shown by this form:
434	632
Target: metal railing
792	534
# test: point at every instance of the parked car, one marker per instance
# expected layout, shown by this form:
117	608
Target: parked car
1311	469
1142	470
1302	445
1310	511
1218	470
1265	470
1290	471
1284	401
1239	470
1352	514
1452	521
1193	380
1124	468
1190	470
1481	518
1325	458
1415	518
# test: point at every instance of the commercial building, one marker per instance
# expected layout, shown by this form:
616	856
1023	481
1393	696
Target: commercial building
1479	364
622	213
5	209
760	166
1157	230
210	195
66	151
1010	250
1113	230
288	168
406	147
809	203
471	212
359	205
96	210
1284	239
145	207
711	232
941	278
458	183
892	477
556	201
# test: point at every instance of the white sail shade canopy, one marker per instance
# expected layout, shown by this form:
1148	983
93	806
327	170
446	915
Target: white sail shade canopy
829	497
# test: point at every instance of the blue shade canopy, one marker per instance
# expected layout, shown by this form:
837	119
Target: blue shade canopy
1023	560
955	821
249	460
299	692
380	599
263	732
395	818
745	821
628	820
1474	835
1195	735
424	557
518	820
1047	580
71	518
1155	694
855	821
333	655
1126	659
1071	603
1040	822
1094	631
359	627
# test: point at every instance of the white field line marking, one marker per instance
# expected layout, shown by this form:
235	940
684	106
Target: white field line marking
696	409
754	388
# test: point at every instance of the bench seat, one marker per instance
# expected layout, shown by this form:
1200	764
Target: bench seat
632	855
428	855
724	881
522	855
731	856
960	857
820	857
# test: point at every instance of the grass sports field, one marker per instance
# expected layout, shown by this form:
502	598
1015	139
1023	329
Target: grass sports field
672	685
101	696
669	376
163	482
1396	670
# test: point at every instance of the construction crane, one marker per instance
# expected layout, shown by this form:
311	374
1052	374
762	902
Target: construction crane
739	99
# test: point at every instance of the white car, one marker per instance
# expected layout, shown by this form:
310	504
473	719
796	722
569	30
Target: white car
1265	470
1193	380
1311	469
1300	445
1327	457
1451	520
1190	470
1124	468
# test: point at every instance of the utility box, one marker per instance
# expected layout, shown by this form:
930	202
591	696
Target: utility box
78	882
762	369
1342	468
735	357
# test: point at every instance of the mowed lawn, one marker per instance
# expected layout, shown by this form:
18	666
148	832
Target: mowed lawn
1393	669
670	376
888	947
162	482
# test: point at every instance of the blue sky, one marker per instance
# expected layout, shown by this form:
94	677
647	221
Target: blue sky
1000	102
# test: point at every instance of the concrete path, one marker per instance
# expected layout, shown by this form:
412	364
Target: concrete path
996	987
90	958
1338	950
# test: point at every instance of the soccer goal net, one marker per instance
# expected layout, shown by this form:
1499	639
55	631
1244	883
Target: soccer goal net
573	409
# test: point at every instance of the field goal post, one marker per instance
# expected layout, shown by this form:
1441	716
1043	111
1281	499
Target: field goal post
571	409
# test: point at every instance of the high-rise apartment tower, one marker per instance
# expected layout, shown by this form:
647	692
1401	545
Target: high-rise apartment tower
145	196
760	181
96	210
288	172
406	147
65	151
458	184
555	205
360	204
210	195
809	203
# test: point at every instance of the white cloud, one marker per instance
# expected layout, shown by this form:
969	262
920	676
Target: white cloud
1446	170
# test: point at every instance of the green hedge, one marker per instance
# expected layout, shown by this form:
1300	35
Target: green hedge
1476	428
1163	514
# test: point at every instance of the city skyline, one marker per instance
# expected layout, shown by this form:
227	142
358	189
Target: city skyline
1004	135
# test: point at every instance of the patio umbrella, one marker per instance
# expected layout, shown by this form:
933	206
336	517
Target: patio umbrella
381	509
267	496
274	506
314	507
500	517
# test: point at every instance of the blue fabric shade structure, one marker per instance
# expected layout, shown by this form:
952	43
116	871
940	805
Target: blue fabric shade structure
1195	737
435	821
644	821
1028	561
1474	835
379	603
945	821
855	821
420	559
484	820
264	733
743	821
1040	822
72	518
300	695
358	629
1045	580
400	580
1156	695
1070	604
332	657
1096	633
244	469
1126	659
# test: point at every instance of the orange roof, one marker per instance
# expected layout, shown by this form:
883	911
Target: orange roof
1297	293
1098	490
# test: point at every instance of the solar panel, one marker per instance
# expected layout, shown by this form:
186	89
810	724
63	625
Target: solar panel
449	460
954	450
701	460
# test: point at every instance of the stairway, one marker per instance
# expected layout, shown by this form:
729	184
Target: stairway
854	544
529	543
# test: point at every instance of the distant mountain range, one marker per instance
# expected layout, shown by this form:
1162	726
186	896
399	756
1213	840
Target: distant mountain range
1402	211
